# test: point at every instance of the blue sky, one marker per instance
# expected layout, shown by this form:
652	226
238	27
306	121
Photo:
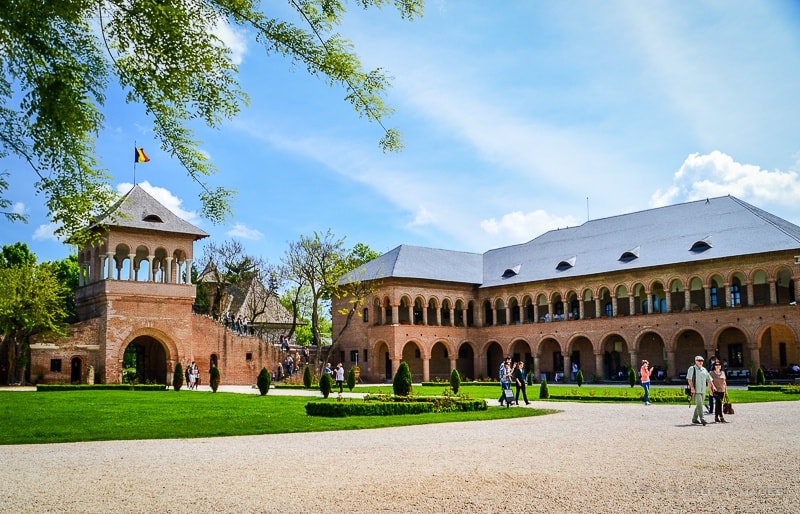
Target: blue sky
519	117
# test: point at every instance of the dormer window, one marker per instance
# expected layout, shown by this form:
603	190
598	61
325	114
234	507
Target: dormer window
512	272
566	264
701	245
629	255
152	218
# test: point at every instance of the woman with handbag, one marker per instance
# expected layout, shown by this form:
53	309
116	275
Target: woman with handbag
720	383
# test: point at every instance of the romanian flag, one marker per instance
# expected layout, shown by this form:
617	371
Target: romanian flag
140	156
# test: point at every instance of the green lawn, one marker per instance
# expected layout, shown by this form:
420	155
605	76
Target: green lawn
69	416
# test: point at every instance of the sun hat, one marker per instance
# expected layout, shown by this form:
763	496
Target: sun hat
699	358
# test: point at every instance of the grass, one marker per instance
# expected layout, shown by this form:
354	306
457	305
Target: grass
72	416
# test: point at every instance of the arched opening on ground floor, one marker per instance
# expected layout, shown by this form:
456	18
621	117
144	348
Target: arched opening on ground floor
582	358
521	352
616	358
551	361
465	364
652	349
732	347
145	361
688	344
413	357
382	362
778	352
439	365
494	356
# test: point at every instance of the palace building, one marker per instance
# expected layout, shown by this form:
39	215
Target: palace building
134	306
710	277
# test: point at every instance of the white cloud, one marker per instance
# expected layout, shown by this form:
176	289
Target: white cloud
520	226
717	174
46	233
18	208
166	198
234	39
422	217
243	231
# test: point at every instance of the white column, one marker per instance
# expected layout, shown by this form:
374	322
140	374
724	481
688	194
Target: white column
110	262
131	271
168	276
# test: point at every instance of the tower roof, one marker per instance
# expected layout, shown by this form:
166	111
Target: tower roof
138	210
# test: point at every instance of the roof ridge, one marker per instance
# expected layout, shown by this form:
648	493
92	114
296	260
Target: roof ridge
764	215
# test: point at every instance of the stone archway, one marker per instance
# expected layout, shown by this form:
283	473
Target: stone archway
439	365
413	357
147	358
465	364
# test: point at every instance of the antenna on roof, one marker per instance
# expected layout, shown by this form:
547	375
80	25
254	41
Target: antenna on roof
587	208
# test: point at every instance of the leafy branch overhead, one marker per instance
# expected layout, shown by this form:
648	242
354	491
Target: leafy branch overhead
58	59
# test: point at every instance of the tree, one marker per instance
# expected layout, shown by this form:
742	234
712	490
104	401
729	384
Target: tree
33	300
58	58
227	265
263	381
402	380
455	380
177	377
214	378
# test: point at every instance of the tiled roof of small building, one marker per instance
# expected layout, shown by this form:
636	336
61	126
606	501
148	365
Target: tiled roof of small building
714	228
137	209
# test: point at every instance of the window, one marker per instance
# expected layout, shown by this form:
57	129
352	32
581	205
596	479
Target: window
736	295
714	299
609	309
55	365
365	356
354	356
248	356
365	315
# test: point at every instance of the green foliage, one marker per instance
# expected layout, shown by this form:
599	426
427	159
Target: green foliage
177	377
579	378
60	57
325	384
402	380
214	378
307	377
263	381
544	392
455	380
760	378
631	376
351	378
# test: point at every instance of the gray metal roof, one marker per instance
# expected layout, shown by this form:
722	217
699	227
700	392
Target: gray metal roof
138	210
716	228
419	262
689	232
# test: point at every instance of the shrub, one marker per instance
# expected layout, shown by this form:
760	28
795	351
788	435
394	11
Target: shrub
351	378
307	377
544	393
325	384
579	378
632	376
760	376
263	381
455	381
214	379
402	380
177	377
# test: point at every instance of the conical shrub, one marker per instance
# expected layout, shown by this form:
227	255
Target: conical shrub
455	381
544	393
402	380
307	377
177	377
325	384
579	378
263	381
351	378
214	378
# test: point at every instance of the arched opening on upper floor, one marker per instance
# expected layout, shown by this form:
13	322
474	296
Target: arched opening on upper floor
465	364
558	307
439	364
432	312
738	290
717	292
697	299
387	312
404	312
488	314
606	303
640	302
589	307
471	314
530	316
412	355
418	314
573	306
677	295
141	265
160	265
459	320
376	310
616	357
445	315
514	311
760	288
623	301
542	307
657	300
784	287
501	312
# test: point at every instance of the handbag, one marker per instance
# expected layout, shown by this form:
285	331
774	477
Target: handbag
727	407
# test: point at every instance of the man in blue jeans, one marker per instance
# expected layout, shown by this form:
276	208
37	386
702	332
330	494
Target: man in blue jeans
699	382
505	378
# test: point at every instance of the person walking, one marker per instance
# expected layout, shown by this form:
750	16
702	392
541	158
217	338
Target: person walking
711	361
720	383
505	378
519	378
340	377
699	382
645	372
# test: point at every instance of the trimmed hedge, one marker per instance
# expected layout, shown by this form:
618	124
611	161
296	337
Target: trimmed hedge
98	387
383	405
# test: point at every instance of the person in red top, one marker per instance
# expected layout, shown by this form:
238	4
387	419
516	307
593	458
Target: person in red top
645	371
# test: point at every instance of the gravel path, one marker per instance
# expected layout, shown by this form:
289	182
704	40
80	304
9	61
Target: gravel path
588	458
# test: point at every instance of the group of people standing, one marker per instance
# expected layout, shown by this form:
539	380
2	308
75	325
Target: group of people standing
336	374
192	376
702	381
513	373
